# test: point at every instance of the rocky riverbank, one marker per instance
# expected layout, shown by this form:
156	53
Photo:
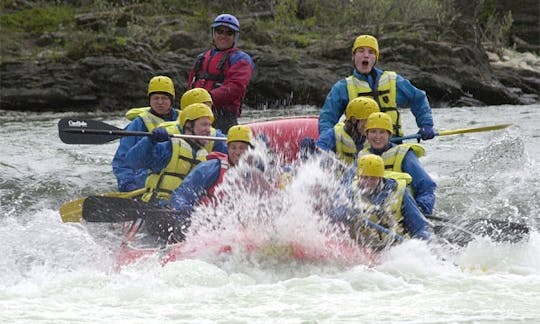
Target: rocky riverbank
452	66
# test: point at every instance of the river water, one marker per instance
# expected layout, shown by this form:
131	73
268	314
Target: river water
54	272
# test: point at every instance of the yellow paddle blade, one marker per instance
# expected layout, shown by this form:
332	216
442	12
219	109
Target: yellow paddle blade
472	130
72	210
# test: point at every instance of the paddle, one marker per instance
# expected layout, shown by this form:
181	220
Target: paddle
453	132
168	224
463	233
72	210
86	131
100	209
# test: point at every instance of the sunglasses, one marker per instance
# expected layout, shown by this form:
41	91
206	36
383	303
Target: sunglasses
227	32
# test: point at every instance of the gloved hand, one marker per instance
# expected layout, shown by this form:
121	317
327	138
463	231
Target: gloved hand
426	132
159	134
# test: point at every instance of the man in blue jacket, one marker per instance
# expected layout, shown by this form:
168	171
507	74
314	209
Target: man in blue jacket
161	95
169	160
388	88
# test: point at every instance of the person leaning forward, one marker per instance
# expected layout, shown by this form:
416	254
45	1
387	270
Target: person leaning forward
161	95
225	71
389	89
378	198
200	186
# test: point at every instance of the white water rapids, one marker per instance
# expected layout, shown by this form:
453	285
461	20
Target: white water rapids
54	272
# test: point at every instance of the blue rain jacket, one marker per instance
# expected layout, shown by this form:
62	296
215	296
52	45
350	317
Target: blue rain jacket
130	179
407	96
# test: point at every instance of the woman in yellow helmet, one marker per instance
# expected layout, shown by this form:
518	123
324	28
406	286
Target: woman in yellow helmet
400	158
383	201
161	97
389	89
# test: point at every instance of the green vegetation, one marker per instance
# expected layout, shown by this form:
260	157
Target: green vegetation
103	26
37	20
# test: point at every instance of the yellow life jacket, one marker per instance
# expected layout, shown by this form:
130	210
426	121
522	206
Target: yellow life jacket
385	95
345	146
388	214
393	158
151	121
135	112
183	158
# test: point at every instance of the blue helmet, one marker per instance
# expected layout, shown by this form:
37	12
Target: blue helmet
227	21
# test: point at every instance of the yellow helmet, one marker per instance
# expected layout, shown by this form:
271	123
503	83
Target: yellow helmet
366	41
161	83
379	120
370	165
195	95
240	133
361	108
194	112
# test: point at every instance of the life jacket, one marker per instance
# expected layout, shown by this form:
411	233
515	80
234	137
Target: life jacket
159	186
209	71
223	158
385	95
136	112
345	146
393	157
383	208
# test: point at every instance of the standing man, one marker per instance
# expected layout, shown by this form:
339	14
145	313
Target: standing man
388	88
161	96
225	71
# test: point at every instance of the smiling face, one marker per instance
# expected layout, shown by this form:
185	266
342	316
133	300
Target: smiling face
223	37
378	138
364	59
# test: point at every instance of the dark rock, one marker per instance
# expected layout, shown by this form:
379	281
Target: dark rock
453	71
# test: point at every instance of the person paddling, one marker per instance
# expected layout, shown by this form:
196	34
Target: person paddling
201	183
378	199
170	159
161	95
400	158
